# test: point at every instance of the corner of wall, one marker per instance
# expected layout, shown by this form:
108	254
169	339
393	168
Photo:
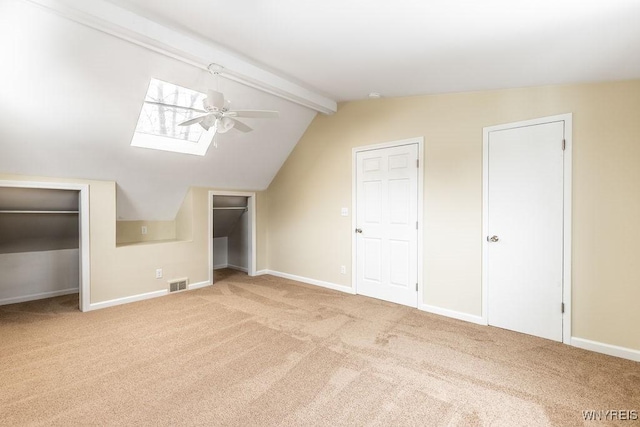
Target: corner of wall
262	230
184	218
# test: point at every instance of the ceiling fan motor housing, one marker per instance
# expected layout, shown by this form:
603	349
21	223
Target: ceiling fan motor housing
214	101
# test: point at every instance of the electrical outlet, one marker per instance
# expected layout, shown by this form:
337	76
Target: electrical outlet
143	229
344	212
343	269
158	273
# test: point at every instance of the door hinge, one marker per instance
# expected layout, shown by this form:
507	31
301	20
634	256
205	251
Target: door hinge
416	287
416	225
563	307
564	144
417	163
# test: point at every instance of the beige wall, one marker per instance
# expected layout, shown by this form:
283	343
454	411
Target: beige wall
308	237
300	230
181	228
262	222
128	232
118	272
184	218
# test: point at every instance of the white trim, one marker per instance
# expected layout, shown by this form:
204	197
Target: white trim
609	349
173	145
262	272
198	285
231	266
251	211
567	238
193	50
568	135
452	314
238	268
328	285
84	230
127	300
420	142
42	295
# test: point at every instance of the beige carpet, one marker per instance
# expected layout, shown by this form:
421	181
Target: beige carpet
267	351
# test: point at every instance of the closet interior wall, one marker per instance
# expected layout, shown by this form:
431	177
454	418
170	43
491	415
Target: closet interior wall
230	232
39	243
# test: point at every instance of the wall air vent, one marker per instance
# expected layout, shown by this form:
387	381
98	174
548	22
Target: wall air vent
178	285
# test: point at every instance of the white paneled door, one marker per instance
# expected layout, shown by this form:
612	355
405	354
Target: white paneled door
524	242
386	224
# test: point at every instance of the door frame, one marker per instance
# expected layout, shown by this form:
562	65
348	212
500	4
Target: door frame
251	211
567	193
84	287
354	152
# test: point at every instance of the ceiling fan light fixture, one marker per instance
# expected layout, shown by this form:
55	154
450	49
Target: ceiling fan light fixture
225	124
207	122
221	118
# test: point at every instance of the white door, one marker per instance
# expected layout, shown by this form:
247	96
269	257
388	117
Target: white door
525	229
386	221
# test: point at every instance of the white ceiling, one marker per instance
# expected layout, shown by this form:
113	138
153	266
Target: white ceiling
347	49
70	95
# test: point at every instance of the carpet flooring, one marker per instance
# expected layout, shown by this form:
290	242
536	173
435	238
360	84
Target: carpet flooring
266	351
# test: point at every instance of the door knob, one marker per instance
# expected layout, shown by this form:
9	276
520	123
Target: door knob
492	239
358	230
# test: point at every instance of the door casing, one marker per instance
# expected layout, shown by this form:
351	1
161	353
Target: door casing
251	211
566	276
420	142
84	288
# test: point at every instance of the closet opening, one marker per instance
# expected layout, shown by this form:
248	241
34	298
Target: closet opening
42	242
232	234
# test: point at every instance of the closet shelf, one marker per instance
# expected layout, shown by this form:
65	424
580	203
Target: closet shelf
231	208
12	211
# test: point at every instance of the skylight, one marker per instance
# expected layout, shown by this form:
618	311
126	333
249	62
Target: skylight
166	106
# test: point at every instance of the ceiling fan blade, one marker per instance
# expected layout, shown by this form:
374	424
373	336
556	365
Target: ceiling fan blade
214	100
193	121
240	126
254	114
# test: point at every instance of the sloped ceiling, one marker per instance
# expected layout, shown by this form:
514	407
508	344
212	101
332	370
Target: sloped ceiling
70	95
409	47
69	102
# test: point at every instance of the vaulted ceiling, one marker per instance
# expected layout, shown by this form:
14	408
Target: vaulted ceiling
347	49
71	94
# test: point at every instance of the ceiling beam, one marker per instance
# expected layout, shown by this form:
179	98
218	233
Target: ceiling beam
127	25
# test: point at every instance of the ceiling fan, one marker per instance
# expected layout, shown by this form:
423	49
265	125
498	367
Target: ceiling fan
219	117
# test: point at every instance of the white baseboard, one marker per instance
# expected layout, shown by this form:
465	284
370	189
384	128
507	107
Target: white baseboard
126	300
315	282
611	350
453	314
42	295
199	285
237	267
231	266
141	297
261	272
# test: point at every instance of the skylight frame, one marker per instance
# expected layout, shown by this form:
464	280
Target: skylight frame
152	138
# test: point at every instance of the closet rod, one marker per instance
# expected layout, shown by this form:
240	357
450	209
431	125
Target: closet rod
231	208
11	211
